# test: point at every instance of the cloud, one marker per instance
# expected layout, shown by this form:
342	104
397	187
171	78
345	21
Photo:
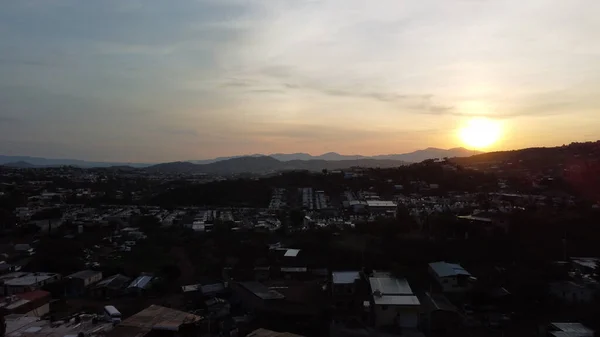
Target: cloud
181	132
9	120
329	73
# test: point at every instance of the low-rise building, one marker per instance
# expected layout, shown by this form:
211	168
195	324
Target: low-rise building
394	303
451	277
81	280
110	287
158	321
33	304
22	282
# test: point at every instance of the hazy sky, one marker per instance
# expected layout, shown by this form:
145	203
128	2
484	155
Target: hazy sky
149	80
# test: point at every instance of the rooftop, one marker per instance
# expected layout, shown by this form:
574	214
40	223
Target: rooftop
270	333
571	330
292	252
345	277
20	326
141	282
587	262
84	274
261	290
381	203
444	269
26	279
154	317
390	286
392	291
117	281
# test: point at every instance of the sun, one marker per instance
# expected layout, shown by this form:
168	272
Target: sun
480	133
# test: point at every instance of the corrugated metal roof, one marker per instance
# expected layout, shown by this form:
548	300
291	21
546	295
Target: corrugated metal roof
142	282
444	269
345	277
390	286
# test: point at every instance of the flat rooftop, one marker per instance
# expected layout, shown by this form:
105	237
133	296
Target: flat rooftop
345	277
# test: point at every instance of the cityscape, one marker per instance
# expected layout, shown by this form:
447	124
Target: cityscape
299	168
443	247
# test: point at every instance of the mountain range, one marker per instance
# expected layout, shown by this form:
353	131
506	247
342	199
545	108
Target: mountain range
412	157
257	163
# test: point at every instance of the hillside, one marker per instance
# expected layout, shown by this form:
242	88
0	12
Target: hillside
265	164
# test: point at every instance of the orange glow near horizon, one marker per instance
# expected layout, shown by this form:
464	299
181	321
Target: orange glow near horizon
480	133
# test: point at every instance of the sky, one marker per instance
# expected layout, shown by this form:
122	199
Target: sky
155	80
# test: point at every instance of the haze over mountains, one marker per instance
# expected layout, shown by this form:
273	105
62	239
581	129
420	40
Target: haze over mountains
412	157
254	163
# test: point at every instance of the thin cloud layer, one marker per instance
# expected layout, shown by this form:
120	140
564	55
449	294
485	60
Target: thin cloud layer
157	81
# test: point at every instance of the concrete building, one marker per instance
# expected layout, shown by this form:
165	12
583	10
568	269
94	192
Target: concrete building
452	278
394	303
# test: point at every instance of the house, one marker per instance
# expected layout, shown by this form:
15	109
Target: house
452	278
255	295
569	330
110	287
344	282
349	292
32	304
140	285
393	302
158	321
22	282
439	314
81	280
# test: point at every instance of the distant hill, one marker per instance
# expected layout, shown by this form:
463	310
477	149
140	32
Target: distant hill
266	164
430	153
46	162
19	164
538	160
414	157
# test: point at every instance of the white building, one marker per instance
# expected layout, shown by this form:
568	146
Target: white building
394	302
451	277
382	207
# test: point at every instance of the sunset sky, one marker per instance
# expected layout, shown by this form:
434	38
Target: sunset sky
150	81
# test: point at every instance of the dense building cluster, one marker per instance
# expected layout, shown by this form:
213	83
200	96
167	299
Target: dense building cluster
426	250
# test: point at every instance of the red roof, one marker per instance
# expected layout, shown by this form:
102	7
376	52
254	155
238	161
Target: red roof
34	295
